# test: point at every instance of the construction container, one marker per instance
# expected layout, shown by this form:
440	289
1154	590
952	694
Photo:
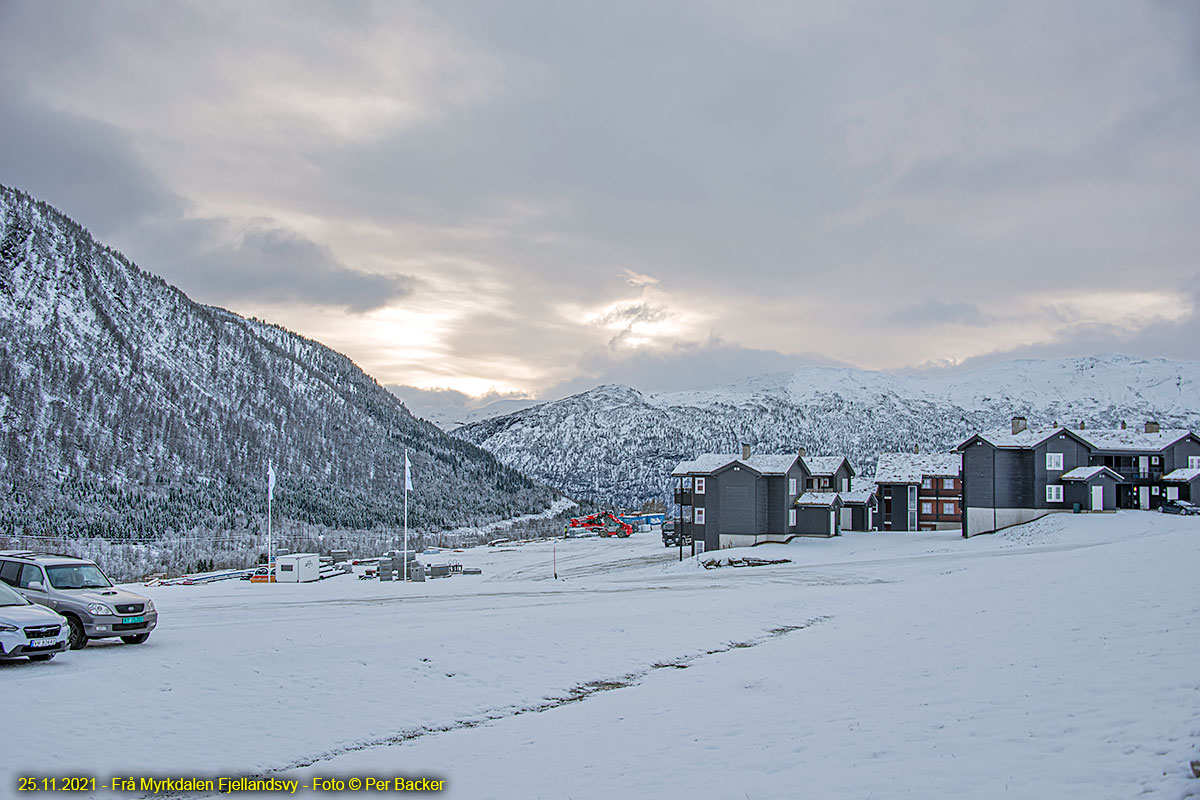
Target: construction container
297	568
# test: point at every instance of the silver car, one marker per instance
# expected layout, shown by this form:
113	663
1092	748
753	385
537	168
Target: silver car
28	630
80	591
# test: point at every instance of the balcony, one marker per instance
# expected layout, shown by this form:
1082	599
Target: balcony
683	497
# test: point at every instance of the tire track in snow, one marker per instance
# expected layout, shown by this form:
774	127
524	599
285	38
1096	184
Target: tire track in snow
575	694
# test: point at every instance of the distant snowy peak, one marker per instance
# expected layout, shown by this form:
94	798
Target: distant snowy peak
619	445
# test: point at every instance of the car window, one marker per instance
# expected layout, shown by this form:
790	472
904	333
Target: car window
77	576
9	597
30	573
9	570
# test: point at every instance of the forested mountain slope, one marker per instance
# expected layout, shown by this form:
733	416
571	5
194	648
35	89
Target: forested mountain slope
129	410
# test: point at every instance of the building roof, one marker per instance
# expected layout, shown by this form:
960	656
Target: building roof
1132	440
858	495
912	467
708	463
1113	439
817	499
1004	437
1185	475
825	465
1087	473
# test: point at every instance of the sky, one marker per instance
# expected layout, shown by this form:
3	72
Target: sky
525	199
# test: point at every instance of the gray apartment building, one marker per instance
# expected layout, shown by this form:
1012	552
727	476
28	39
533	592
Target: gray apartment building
1019	474
730	500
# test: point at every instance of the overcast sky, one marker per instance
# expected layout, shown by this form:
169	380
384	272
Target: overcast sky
535	197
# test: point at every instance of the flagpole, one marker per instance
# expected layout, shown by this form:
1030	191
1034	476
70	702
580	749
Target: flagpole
406	482
270	492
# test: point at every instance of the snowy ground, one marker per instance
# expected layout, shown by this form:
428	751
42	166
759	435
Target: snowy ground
1056	660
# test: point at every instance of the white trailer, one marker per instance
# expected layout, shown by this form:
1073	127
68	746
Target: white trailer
298	568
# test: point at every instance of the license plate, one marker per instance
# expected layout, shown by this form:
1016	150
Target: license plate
128	620
48	641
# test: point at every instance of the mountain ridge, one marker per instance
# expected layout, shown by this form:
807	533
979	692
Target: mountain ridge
131	410
827	410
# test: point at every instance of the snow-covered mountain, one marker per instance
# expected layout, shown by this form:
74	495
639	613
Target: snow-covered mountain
129	409
619	445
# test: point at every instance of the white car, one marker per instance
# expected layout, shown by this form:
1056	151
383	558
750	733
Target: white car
29	630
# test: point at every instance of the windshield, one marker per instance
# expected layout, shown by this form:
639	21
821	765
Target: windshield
77	576
10	598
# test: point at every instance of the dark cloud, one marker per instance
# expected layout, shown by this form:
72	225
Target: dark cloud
932	312
87	169
275	265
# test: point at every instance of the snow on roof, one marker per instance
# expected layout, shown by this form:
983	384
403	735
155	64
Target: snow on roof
708	463
1099	438
1130	439
858	495
913	467
1030	437
817	499
1087	473
823	465
1184	475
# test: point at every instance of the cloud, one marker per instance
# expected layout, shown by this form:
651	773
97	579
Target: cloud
87	169
274	265
934	312
829	176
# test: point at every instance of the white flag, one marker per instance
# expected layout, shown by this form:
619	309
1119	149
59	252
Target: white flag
270	481
407	476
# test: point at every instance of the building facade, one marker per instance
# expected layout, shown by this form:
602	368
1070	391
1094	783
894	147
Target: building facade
729	500
919	491
1018	475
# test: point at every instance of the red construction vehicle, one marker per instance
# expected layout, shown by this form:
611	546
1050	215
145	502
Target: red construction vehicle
602	523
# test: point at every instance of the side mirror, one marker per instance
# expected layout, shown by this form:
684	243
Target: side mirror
36	586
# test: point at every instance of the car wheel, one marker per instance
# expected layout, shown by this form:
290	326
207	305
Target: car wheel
43	657
136	638
78	636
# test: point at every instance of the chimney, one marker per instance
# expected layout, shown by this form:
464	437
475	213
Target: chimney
803	452
1122	424
745	452
916	449
1019	424
1082	425
1151	427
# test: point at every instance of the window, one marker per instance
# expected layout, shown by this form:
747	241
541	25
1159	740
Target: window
792	487
1054	461
29	574
947	483
926	508
1172	494
1154	460
1193	462
948	508
1153	490
792	517
824	483
9	570
912	497
927	483
699	485
912	508
699	516
1054	493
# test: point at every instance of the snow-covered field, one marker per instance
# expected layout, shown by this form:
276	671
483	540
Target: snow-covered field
1056	660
